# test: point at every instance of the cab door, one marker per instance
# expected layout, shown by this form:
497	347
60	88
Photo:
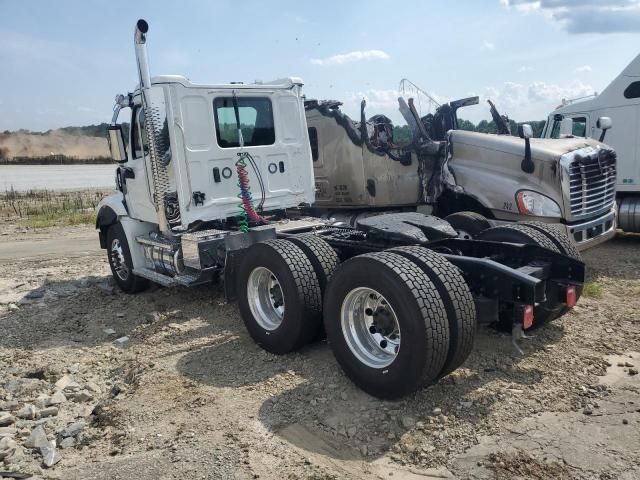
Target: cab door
137	185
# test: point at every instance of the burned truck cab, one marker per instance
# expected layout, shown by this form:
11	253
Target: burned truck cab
357	165
361	171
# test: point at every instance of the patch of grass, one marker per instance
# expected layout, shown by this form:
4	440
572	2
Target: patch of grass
60	218
44	208
593	289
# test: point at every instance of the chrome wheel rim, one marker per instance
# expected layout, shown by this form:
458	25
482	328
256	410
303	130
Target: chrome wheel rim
370	327
266	298
118	260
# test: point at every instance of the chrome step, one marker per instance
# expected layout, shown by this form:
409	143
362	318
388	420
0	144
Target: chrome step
187	279
155	277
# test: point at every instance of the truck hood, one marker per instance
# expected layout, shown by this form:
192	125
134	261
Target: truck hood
545	149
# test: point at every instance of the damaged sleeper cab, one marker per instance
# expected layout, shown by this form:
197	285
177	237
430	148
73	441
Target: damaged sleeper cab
360	171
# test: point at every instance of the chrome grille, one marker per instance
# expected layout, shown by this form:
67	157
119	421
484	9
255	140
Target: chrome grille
592	183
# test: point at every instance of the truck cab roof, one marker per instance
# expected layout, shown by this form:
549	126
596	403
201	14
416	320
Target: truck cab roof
281	83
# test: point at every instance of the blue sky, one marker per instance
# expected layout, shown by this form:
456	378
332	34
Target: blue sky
61	63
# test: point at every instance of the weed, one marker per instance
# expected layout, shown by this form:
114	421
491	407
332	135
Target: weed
45	208
593	289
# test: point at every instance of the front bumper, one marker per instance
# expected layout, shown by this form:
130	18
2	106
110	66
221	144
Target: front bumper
593	232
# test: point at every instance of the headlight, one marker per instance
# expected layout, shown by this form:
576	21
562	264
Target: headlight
536	204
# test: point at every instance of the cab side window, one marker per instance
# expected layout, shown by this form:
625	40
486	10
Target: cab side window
579	127
136	147
632	91
313	140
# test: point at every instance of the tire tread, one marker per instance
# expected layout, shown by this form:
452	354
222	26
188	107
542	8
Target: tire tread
323	258
432	314
457	298
557	236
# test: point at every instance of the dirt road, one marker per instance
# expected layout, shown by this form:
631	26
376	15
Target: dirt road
18	244
188	395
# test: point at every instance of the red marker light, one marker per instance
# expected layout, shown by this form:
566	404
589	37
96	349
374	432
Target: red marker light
572	296
527	317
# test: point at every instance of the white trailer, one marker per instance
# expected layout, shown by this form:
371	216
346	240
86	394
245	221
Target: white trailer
620	101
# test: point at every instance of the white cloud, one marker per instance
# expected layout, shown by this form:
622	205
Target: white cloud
377	99
487	45
585	16
525	68
355	56
520	100
513	96
542	92
584	68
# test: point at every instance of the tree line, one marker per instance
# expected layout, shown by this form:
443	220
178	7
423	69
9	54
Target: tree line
402	133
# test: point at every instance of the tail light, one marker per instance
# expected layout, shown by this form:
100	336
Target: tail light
571	296
527	317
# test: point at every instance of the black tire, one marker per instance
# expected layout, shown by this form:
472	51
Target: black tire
457	299
300	288
566	247
421	317
559	238
323	258
471	223
517	233
118	246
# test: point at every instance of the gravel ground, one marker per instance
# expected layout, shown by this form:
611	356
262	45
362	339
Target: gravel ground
95	383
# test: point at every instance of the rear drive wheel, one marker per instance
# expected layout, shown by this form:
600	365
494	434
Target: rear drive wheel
517	233
279	296
386	324
468	224
457	299
121	262
323	258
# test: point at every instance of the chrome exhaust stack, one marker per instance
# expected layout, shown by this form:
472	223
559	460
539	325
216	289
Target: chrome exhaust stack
155	118
140	39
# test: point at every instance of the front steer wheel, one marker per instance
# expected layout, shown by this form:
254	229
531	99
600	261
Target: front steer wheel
468	224
279	296
120	261
386	324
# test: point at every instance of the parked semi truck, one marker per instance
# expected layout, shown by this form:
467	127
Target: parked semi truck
360	171
579	118
211	184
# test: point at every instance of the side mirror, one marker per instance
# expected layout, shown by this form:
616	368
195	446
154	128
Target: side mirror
525	131
604	124
117	146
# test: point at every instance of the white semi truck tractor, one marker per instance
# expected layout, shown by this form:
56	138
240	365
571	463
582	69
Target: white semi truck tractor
211	184
620	101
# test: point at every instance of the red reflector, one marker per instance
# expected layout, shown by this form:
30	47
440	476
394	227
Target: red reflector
572	296
527	317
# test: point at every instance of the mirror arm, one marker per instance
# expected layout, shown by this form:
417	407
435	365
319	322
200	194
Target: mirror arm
527	164
116	111
363	122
